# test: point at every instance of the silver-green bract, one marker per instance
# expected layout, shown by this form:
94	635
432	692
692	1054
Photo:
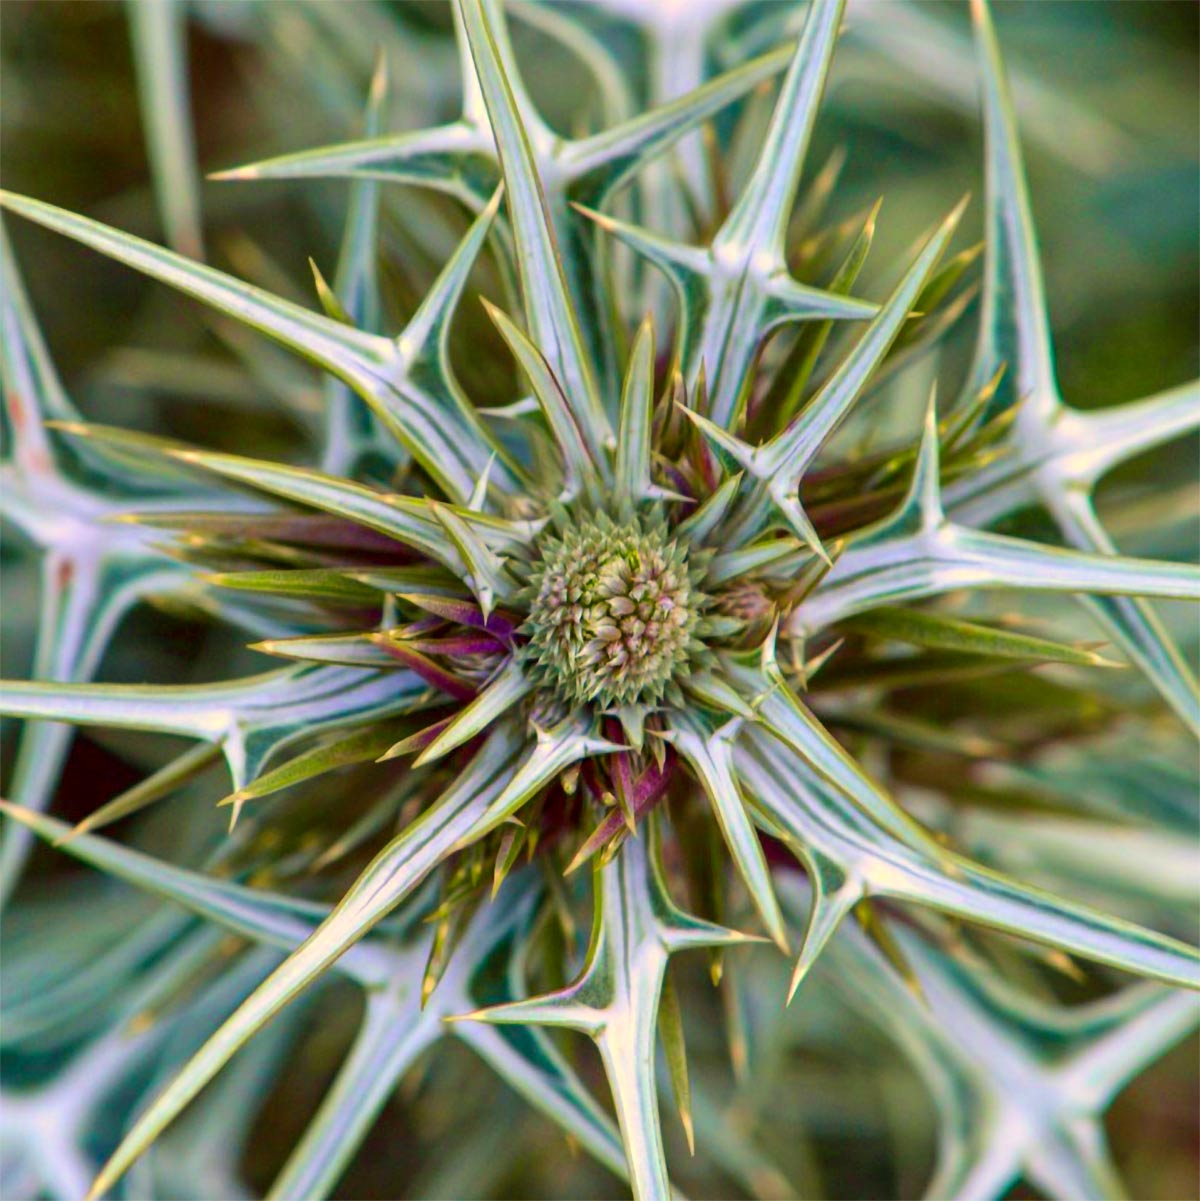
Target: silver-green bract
604	623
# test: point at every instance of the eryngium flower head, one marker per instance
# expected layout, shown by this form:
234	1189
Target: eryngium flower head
613	613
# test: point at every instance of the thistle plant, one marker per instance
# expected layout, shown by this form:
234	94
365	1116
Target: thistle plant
663	639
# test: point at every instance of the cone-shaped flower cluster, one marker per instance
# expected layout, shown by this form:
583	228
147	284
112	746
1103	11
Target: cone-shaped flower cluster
614	613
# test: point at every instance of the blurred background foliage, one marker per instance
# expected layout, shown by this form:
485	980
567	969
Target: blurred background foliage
1108	98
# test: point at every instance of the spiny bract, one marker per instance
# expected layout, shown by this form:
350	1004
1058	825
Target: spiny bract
613	621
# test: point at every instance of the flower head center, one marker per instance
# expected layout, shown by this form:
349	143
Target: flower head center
613	613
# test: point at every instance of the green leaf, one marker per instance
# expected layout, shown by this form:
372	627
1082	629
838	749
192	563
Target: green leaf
501	693
633	441
362	746
947	633
153	788
670	1030
715	692
407	520
745	560
511	846
395	1027
421	579
352	650
323	584
328	297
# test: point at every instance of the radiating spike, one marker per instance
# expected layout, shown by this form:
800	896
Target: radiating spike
327	296
582	459
487	575
681	263
504	691
793	450
33	392
710	756
1104	1066
425	335
556	749
153	788
834	895
670	1029
1091	443
1051	458
1132	622
549	310
258	913
1014	322
924	499
478	499
791	301
781	463
615	999
901	559
633	440
760	217
602	162
158	30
